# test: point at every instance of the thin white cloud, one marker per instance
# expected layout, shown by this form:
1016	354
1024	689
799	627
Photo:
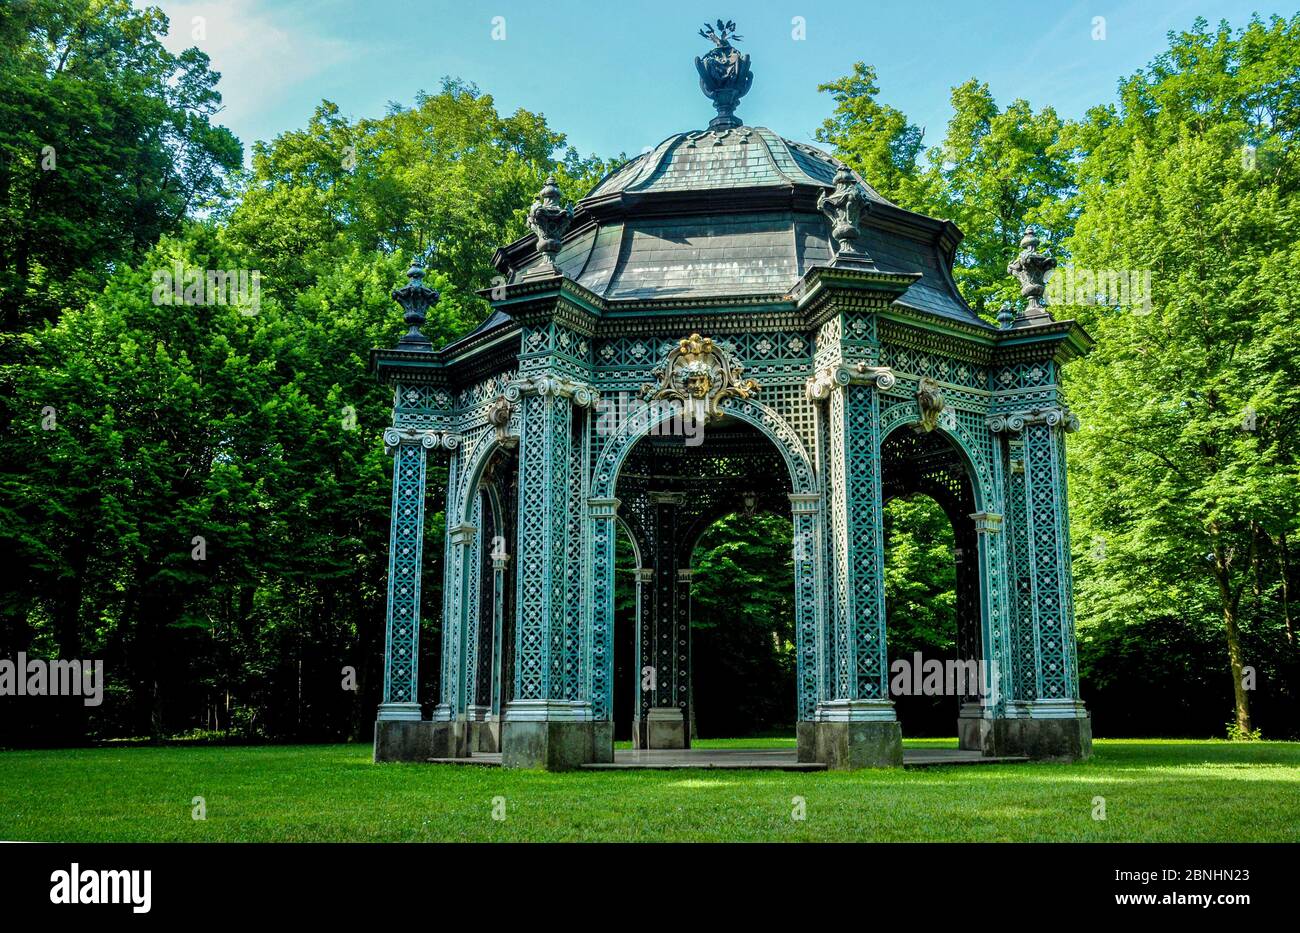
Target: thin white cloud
261	55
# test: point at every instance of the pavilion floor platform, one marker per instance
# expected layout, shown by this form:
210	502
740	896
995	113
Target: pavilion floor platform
753	759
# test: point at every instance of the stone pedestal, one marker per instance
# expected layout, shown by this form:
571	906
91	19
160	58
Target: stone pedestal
553	735
484	730
665	728
845	746
1046	738
407	740
851	734
806	741
404	740
602	741
974	732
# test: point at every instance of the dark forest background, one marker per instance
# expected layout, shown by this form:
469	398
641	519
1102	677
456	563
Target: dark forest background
129	429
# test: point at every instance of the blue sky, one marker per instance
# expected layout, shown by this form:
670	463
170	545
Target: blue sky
617	77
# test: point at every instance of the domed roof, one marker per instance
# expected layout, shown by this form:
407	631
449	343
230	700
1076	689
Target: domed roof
730	157
732	214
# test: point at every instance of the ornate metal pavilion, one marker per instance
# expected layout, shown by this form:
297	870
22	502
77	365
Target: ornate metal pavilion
731	320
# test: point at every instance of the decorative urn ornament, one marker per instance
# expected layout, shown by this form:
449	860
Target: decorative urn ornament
1031	268
724	74
416	299
843	209
548	218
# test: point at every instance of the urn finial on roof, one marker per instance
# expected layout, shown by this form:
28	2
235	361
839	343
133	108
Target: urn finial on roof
1031	268
843	208
724	74
416	299
548	218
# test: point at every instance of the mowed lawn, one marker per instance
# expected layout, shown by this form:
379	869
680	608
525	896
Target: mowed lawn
1153	790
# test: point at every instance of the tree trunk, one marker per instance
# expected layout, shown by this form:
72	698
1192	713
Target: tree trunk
1285	559
1240	696
1229	599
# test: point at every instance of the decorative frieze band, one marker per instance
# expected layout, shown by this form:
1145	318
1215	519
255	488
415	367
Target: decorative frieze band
583	394
824	380
430	440
1015	421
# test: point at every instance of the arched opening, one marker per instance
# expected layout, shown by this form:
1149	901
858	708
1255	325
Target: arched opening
742	626
674	489
627	613
934	617
488	602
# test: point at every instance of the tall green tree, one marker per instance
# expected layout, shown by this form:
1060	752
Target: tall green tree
874	138
997	172
450	176
742	625
1185	487
106	143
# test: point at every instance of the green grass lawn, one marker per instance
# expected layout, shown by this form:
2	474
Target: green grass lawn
1153	790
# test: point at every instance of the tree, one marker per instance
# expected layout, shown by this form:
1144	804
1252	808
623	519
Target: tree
997	173
742	625
449	175
875	139
1185	487
106	142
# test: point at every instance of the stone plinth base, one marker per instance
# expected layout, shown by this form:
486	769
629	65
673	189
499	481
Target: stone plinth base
406	740
602	741
665	728
549	745
556	735
1043	739
805	733
974	733
844	746
485	734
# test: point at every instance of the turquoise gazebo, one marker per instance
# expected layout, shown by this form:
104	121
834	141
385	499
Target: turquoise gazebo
730	320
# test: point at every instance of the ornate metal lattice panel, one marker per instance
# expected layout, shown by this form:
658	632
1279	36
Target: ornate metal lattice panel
1049	557
405	560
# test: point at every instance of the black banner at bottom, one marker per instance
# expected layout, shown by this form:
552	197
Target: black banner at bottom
549	882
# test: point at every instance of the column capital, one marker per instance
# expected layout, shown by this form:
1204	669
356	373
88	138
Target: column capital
444	441
464	534
987	521
583	394
645	574
685	575
821	383
603	508
805	503
500	562
1015	421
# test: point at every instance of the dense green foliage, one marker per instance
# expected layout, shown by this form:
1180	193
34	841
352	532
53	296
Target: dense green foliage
1154	791
106	143
139	427
195	493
